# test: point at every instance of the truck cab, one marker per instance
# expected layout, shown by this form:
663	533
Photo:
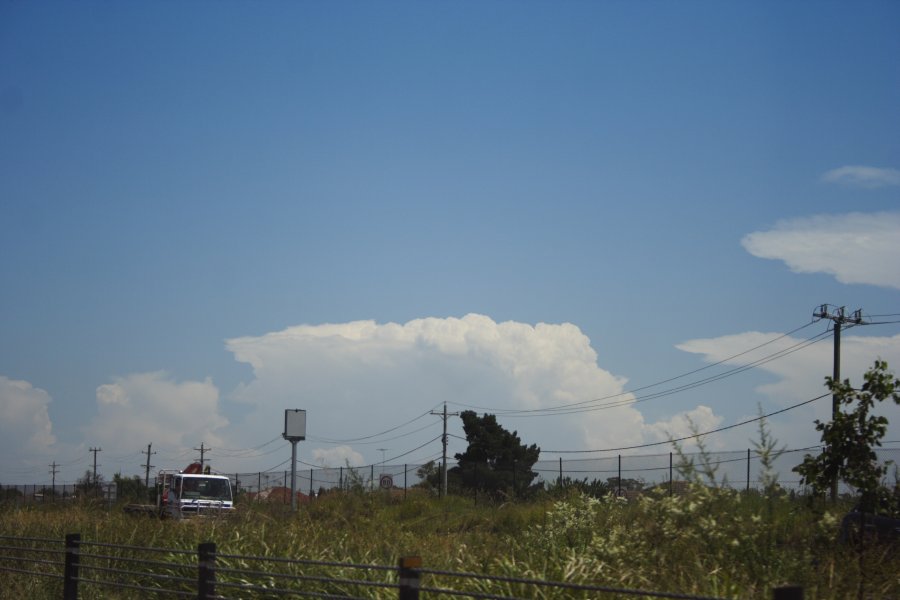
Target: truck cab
182	494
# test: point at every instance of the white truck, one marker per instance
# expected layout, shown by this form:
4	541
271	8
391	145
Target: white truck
192	492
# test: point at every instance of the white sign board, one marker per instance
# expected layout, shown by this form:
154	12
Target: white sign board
386	482
294	424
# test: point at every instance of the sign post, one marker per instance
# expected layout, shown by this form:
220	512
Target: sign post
294	431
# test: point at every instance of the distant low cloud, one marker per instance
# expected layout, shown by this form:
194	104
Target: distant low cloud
855	248
337	457
25	427
800	375
152	407
860	176
683	425
358	378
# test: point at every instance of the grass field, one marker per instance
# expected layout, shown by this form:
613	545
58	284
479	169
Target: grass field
710	541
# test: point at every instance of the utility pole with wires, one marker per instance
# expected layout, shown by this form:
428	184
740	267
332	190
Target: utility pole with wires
148	466
95	451
202	452
444	415
53	471
839	317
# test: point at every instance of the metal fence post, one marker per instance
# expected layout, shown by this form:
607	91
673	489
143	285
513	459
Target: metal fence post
206	571
70	570
409	577
788	592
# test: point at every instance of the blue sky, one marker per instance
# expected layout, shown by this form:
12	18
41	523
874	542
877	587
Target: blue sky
213	212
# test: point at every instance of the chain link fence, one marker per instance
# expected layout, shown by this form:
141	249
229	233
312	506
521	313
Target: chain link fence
737	469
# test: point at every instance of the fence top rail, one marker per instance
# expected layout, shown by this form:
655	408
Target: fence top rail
30	572
141	548
303	561
140	561
26	549
568	586
32	539
156	576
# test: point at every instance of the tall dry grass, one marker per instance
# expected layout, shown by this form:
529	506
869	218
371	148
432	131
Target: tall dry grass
710	541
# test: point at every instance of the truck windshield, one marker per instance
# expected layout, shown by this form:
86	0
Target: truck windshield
206	488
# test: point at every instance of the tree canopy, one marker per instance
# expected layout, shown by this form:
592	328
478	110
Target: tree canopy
496	461
851	437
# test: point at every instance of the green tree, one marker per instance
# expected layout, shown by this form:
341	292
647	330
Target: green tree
430	475
88	486
131	488
851	436
496	461
593	488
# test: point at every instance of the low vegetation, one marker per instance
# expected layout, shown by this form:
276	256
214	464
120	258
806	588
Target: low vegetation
709	541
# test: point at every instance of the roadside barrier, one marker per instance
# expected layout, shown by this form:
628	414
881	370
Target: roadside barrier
74	566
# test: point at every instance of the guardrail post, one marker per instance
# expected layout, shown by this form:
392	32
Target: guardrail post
206	571
70	571
409	577
788	592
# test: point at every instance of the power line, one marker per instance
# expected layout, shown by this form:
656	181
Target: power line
368	437
689	437
414	449
397	437
432	440
652	385
237	452
579	407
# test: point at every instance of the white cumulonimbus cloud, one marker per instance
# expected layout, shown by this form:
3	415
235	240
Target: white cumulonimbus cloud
854	248
26	432
862	176
143	408
362	378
